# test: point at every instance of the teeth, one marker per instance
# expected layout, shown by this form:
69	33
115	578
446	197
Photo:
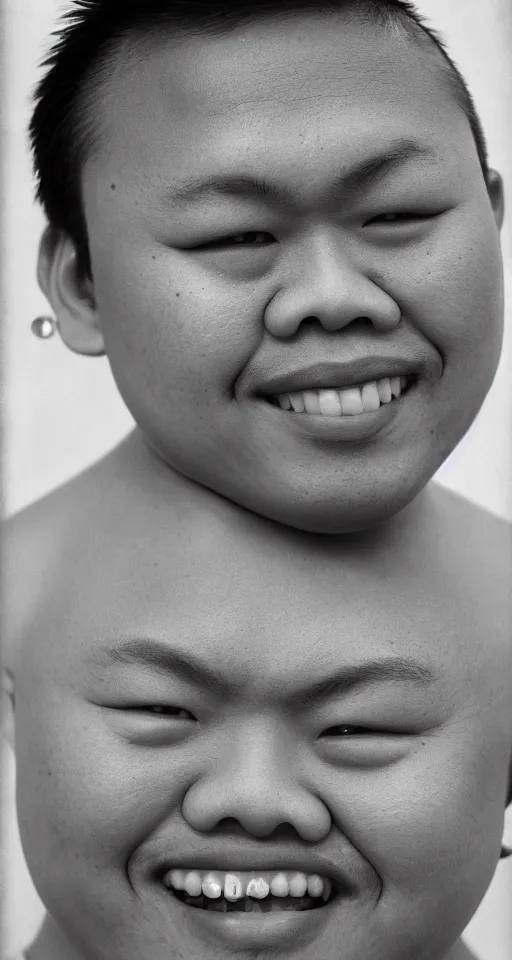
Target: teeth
212	886
395	386
258	888
241	885
233	889
279	886
298	885
370	397
311	401
349	402
315	886
384	390
193	884
297	402
177	879
330	404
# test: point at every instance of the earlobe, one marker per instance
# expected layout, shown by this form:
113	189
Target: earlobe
496	191
70	294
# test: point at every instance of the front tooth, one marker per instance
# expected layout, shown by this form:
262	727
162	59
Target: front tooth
284	401
384	390
370	397
311	401
297	402
330	404
233	889
211	886
315	886
193	884
279	886
257	888
395	386
351	401
298	885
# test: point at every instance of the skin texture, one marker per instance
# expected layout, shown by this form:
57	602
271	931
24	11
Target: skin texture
105	795
194	327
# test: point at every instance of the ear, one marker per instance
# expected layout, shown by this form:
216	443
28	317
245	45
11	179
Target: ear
8	706
70	294
496	192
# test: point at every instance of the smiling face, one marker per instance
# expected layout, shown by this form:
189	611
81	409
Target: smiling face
297	208
276	725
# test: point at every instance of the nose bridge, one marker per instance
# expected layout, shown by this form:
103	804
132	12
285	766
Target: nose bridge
326	279
255	782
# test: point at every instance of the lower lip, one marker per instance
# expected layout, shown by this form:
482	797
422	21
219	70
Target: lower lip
260	930
362	426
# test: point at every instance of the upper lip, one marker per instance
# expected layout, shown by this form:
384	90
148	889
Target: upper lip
225	862
336	375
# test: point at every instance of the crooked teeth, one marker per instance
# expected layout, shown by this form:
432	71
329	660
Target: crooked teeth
233	889
258	888
349	402
236	886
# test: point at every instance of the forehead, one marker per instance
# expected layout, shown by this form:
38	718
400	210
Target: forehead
247	605
272	91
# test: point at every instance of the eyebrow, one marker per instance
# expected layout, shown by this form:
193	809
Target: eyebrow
172	662
248	187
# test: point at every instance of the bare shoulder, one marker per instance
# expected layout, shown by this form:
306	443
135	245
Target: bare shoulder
36	546
481	537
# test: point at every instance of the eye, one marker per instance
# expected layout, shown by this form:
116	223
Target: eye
407	216
350	730
249	238
162	710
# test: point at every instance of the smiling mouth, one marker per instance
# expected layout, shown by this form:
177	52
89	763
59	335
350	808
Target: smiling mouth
244	892
350	401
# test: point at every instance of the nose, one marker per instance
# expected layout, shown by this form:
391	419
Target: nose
329	287
254	784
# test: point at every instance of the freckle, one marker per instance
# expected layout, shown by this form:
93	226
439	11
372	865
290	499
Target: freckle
112	186
153	257
177	294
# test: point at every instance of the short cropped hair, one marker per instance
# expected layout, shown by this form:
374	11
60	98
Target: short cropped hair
64	128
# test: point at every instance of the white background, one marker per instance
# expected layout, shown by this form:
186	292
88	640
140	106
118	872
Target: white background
62	411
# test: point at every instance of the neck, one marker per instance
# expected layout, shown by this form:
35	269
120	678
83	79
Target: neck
135	464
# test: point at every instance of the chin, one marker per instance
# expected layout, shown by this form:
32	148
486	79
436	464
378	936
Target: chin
344	514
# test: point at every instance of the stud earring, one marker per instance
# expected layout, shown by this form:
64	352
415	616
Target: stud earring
505	852
43	327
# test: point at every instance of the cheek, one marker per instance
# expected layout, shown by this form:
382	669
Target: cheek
86	794
168	322
442	804
457	297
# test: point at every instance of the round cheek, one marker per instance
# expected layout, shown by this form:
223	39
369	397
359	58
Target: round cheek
457	298
87	795
435	807
171	326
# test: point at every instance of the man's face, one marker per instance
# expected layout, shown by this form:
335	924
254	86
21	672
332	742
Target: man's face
273	724
373	256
